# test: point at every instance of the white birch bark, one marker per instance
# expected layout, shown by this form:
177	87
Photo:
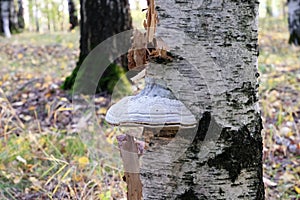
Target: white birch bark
215	76
5	7
276	8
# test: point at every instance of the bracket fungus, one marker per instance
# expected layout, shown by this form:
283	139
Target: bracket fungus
155	106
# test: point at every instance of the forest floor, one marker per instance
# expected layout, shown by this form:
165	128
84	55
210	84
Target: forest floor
279	66
42	155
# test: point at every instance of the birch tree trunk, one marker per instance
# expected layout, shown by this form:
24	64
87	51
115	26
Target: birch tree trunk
215	76
262	8
276	8
9	18
36	17
5	10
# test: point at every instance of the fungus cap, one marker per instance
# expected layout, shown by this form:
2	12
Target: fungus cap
155	106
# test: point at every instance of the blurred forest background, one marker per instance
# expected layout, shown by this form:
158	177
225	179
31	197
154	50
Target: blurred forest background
41	154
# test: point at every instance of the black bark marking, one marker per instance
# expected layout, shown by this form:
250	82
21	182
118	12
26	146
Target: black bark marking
248	90
203	127
221	191
188	195
244	151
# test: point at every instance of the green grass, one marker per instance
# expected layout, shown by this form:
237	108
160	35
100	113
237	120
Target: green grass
53	54
31	162
37	160
34	38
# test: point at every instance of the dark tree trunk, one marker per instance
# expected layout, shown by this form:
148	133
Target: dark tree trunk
294	21
99	21
13	17
20	14
8	17
72	14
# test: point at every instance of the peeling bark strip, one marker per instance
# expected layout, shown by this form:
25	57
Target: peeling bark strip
224	31
129	152
145	46
152	20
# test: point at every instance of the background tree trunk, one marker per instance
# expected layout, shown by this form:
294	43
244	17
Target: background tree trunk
20	14
8	18
72	14
36	18
31	14
13	17
5	10
99	21
294	21
217	81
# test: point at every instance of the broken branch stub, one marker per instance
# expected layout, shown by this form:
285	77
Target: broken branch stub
145	46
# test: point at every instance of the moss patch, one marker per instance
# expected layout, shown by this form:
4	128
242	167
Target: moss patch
112	75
